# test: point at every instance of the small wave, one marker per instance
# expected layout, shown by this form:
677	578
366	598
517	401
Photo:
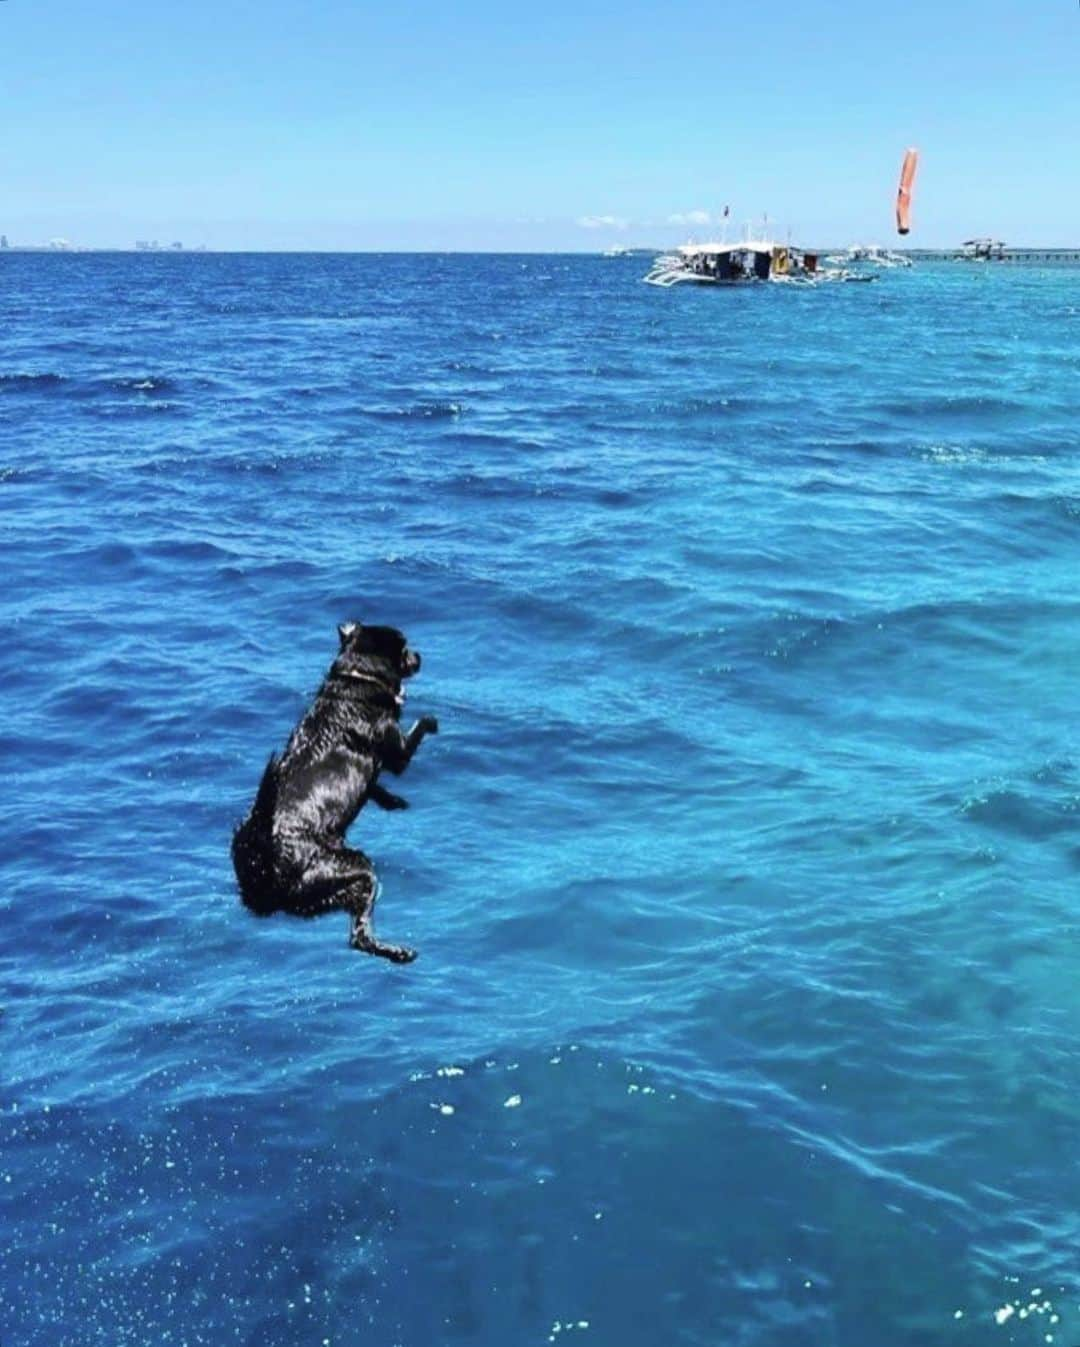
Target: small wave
30	383
487	439
1041	805
1013	811
866	638
959	405
186	549
473	367
471	484
1042	513
145	385
699	406
956	455
142	384
16	475
115	411
275	570
210	465
418	411
110	555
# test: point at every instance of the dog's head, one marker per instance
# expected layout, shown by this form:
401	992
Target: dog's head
364	648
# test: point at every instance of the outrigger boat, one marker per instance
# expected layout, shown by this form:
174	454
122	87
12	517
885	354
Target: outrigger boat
872	254
748	261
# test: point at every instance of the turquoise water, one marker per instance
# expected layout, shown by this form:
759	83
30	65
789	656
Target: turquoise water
742	871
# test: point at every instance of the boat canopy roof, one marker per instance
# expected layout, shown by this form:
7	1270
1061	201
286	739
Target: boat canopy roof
747	246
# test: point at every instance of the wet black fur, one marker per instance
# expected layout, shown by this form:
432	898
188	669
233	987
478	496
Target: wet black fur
290	853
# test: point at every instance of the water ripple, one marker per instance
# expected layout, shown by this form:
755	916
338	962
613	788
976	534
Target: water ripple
742	868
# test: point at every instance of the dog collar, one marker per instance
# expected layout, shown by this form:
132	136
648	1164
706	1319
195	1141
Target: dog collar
396	697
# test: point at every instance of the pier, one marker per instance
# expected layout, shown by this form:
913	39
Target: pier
1042	257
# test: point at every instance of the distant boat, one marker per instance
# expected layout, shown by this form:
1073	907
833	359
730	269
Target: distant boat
872	254
983	250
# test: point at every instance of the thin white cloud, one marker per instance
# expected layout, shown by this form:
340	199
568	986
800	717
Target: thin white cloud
603	222
690	217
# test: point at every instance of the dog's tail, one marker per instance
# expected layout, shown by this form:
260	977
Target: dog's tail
253	845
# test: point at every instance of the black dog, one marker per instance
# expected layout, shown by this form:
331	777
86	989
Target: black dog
289	853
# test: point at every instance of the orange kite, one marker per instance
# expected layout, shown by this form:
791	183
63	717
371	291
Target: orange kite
903	196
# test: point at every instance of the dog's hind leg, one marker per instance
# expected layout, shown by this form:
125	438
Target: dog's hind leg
343	880
329	883
384	798
359	899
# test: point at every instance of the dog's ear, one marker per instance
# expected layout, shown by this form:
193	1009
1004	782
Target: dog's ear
346	631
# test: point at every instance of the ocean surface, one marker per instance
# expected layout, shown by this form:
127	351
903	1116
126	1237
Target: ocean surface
743	871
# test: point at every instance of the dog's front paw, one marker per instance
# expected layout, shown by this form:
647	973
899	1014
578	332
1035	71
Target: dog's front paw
429	724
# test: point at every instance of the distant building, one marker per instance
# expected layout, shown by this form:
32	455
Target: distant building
178	247
3	241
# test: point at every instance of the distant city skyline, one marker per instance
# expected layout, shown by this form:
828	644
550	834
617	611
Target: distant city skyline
341	126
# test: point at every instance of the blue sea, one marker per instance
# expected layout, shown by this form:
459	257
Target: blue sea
743	870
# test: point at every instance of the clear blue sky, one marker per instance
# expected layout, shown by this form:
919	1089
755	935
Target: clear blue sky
483	124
